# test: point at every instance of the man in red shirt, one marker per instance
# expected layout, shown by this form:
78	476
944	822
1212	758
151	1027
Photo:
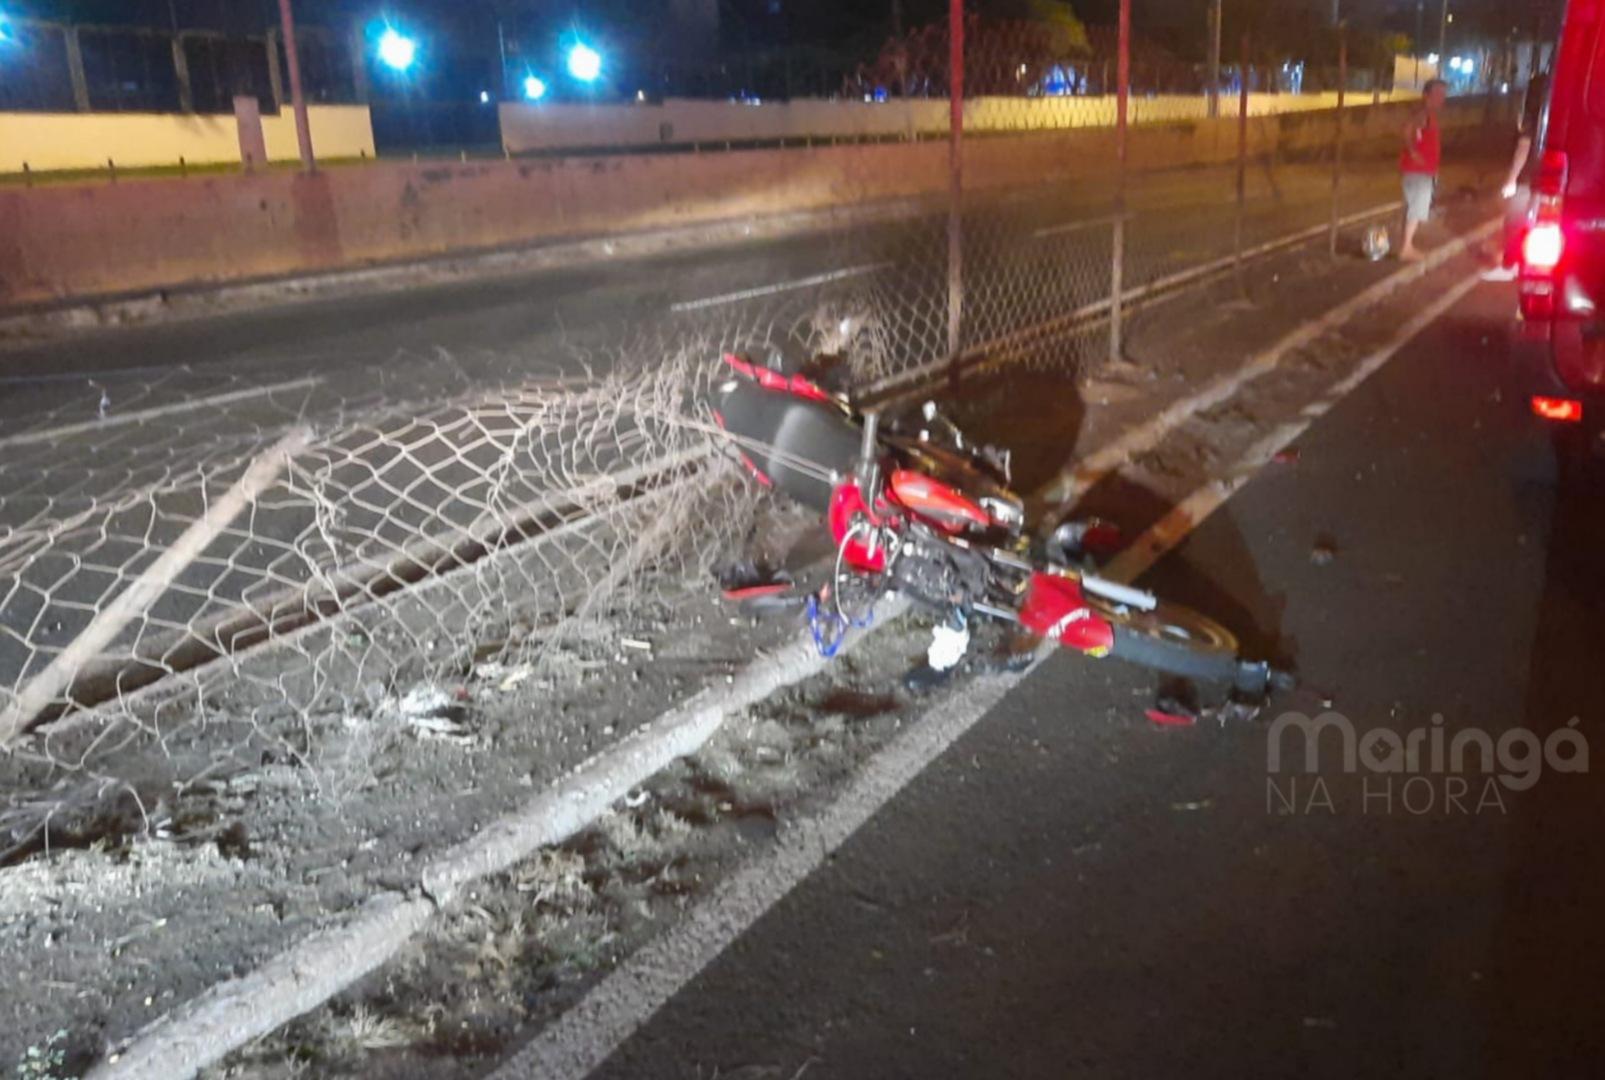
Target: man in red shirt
1423	151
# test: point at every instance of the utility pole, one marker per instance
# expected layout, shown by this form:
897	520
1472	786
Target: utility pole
1443	36
1214	58
298	101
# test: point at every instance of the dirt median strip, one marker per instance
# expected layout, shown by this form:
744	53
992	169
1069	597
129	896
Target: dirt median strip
302	977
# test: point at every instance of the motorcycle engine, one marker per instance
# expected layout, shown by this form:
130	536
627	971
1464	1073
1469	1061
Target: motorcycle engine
937	572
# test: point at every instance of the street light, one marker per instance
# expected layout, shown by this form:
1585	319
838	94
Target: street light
397	51
584	63
534	87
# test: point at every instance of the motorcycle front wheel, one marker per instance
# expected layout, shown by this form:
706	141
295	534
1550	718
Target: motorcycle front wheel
1179	641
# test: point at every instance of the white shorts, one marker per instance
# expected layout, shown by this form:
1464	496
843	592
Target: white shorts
1418	191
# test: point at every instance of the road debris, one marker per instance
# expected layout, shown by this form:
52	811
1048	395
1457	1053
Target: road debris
1166	718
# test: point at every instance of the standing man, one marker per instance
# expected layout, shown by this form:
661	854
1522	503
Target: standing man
1423	153
1518	191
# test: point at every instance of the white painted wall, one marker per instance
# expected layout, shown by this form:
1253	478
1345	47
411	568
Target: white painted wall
678	122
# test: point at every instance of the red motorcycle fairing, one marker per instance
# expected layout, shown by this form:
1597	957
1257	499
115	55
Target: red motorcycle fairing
936	502
847	505
1055	608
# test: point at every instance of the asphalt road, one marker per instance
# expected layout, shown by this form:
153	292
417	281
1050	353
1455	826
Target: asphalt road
1070	891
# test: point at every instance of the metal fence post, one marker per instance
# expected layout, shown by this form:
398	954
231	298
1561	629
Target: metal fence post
1214	59
298	101
955	235
1117	267
1337	146
1242	166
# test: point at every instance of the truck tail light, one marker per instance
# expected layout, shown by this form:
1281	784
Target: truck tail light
1545	243
1543	247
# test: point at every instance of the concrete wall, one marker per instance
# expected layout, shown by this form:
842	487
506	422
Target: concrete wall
47	141
528	128
63	241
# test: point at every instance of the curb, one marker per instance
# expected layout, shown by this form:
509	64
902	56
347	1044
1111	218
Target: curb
308	973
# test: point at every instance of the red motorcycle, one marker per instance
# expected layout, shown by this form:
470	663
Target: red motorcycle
919	511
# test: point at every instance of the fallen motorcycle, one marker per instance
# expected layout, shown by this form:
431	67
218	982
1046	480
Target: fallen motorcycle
920	511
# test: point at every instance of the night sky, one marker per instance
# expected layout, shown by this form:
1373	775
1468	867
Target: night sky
856	27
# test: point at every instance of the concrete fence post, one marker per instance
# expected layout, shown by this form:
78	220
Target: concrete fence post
292	56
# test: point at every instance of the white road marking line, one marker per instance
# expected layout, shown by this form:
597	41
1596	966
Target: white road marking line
1083	474
28	438
584	1036
1077	226
1169	531
785	286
